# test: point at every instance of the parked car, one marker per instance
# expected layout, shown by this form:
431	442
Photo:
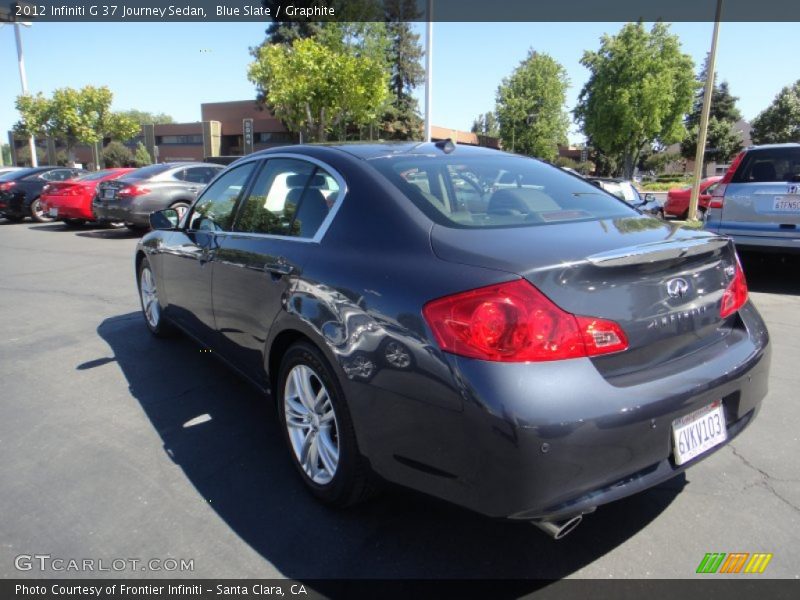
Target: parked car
757	202
71	201
626	190
4	170
20	191
677	204
553	352
132	197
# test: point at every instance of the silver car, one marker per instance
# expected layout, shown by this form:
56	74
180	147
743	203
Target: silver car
757	203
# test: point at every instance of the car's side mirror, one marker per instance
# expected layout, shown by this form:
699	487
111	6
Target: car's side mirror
165	220
649	198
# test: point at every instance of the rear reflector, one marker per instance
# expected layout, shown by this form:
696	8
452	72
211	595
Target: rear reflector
515	322
735	294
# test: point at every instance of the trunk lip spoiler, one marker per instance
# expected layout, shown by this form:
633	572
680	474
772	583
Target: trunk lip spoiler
658	251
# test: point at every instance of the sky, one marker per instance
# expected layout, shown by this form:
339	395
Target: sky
174	67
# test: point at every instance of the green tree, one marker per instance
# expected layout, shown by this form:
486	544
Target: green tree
141	157
24	156
5	152
74	117
117	154
780	121
485	124
723	141
313	87
640	87
146	118
530	107
402	119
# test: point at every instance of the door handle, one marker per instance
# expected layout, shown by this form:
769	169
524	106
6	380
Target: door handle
192	189
279	268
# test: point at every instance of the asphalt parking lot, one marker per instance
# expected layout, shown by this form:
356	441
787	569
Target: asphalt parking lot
117	445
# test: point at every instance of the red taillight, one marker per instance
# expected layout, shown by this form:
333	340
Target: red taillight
515	322
717	196
735	294
728	177
4	187
132	190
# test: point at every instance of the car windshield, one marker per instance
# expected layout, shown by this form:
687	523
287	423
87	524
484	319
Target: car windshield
496	191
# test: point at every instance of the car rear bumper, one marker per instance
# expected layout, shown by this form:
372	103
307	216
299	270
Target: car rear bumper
69	207
129	211
550	440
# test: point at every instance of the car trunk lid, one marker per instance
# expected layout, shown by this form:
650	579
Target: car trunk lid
662	284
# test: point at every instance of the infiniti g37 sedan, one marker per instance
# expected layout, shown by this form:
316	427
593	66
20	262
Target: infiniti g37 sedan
531	355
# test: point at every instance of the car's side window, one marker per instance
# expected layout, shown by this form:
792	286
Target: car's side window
289	197
214	210
200	174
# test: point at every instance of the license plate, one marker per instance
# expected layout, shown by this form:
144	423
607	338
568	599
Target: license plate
786	204
108	194
698	432
53	212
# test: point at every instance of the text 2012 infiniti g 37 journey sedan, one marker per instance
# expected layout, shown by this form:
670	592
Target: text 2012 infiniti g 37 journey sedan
531	354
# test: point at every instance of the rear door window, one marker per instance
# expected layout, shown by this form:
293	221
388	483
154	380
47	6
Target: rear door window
214	210
290	198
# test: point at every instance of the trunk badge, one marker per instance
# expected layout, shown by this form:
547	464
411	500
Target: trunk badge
677	287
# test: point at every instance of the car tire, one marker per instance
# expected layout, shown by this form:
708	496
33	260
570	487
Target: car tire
73	223
152	311
38	214
323	433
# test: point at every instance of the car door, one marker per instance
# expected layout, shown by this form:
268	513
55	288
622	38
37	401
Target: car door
277	229
188	255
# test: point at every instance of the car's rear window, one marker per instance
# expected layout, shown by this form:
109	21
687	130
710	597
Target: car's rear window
496	191
146	172
769	165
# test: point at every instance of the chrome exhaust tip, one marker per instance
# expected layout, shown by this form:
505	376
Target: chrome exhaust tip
559	529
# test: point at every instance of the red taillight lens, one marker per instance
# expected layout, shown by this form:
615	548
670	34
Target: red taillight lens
735	294
132	190
717	196
4	187
515	322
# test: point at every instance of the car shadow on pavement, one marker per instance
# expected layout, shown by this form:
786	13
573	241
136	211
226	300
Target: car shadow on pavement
771	273
91	230
225	437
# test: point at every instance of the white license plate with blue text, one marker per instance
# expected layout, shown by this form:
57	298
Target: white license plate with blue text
698	432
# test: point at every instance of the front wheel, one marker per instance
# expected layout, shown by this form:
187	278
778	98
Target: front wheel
38	214
318	428
151	305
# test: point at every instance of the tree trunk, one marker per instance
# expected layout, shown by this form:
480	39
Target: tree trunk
627	169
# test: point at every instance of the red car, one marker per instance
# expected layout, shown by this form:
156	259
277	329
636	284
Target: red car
71	201
677	204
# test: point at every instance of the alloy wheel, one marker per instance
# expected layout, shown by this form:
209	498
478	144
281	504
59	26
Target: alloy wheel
147	289
311	424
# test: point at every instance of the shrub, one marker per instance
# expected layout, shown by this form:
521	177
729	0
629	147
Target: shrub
116	154
141	158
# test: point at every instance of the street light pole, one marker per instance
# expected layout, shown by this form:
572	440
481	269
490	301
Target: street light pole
699	156
428	71
24	81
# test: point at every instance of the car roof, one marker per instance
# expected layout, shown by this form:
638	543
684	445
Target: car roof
373	150
773	146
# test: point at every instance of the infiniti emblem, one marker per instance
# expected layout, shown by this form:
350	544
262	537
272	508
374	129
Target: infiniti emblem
677	288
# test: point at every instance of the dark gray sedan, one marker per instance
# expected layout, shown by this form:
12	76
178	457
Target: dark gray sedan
531	355
131	198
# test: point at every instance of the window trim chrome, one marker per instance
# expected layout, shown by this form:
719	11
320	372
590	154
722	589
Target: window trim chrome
265	158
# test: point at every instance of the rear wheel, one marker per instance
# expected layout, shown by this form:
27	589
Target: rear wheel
151	305
319	430
38	214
